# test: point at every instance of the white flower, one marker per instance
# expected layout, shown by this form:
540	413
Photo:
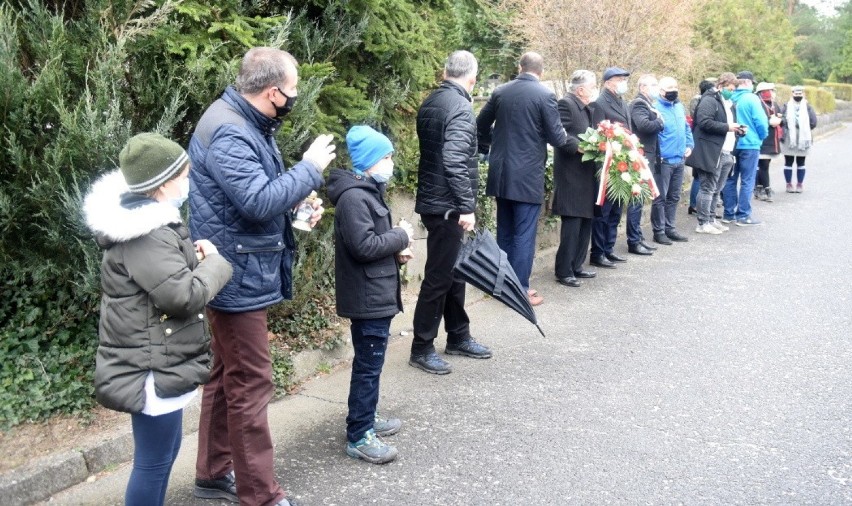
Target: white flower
618	131
645	174
633	155
636	189
625	176
616	147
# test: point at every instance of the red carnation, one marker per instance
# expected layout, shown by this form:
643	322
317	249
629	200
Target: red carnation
622	166
602	146
637	165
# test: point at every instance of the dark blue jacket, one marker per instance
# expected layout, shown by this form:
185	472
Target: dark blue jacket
525	119
240	199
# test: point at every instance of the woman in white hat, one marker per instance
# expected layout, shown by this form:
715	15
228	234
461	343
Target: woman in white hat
771	146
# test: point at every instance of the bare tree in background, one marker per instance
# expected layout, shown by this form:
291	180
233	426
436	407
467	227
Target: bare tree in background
637	35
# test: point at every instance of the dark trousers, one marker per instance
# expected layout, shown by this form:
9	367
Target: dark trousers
156	441
763	172
370	340
669	180
634	224
441	294
605	229
233	431
517	223
574	237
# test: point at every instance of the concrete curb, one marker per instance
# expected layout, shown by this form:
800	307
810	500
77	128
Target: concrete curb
44	477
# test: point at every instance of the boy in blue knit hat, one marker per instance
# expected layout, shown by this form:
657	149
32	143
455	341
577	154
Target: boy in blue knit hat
366	272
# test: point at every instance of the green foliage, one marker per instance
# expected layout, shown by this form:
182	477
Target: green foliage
842	91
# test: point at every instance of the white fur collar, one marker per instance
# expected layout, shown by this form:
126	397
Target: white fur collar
107	218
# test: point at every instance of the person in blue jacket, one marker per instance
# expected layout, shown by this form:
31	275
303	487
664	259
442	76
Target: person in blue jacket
751	116
241	197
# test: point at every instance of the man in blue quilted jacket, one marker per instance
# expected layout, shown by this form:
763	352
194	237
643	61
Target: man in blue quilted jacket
241	196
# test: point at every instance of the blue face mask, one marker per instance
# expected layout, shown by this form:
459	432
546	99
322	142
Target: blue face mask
382	176
184	194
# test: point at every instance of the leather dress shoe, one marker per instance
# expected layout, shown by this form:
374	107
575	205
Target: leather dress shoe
219	488
569	281
585	274
675	236
468	348
647	246
602	262
662	239
638	249
431	363
612	257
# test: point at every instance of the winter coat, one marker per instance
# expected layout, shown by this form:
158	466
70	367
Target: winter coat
772	143
574	182
711	128
750	113
448	173
609	106
154	293
676	136
786	146
515	125
647	125
241	197
366	272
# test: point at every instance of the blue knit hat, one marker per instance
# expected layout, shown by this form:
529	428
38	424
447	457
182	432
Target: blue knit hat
366	147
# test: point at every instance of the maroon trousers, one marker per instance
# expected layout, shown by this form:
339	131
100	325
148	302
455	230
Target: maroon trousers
233	431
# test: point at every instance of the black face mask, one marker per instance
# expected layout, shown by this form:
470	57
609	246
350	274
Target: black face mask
798	99
281	111
671	96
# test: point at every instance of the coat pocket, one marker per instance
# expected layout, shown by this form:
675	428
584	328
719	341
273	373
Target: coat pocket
259	261
381	288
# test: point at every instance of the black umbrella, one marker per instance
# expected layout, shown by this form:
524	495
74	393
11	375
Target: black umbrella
484	265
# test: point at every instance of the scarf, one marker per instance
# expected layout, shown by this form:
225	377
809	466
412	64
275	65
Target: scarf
798	126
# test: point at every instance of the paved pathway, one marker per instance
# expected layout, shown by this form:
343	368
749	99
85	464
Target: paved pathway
715	372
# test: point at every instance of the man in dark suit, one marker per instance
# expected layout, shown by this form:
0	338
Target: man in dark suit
609	106
646	123
516	124
574	182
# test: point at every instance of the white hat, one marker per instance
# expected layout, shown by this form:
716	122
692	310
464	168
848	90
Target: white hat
764	87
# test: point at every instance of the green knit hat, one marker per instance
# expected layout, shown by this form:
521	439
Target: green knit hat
149	160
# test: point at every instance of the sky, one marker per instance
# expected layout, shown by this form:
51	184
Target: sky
825	7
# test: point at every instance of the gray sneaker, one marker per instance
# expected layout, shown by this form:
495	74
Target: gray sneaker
372	449
386	427
468	348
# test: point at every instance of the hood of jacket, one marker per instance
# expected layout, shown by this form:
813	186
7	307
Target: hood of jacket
739	93
114	215
340	181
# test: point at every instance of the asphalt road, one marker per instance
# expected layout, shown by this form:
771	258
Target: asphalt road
715	372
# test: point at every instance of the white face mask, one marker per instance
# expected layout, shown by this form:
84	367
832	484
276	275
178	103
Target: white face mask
594	96
183	188
383	171
621	87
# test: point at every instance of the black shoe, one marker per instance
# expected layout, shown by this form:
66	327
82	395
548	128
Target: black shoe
647	246
662	239
430	363
220	488
602	262
675	236
612	257
569	281
638	249
585	274
468	348
691	210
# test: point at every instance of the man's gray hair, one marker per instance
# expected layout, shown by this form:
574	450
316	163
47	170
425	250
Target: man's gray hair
263	67
461	64
580	78
646	79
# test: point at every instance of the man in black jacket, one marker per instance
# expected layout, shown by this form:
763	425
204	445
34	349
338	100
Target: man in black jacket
646	123
574	185
609	106
516	125
446	200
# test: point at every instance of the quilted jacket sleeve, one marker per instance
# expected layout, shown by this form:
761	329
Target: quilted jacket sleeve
237	169
459	136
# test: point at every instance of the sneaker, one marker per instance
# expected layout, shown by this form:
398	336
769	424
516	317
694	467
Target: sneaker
220	488
725	219
768	193
758	193
386	427
372	449
790	188
430	363
707	228
719	226
468	348
748	222
799	188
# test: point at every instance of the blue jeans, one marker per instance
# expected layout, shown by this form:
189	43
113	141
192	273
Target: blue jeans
370	340
634	224
517	223
605	229
669	179
156	441
738	205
